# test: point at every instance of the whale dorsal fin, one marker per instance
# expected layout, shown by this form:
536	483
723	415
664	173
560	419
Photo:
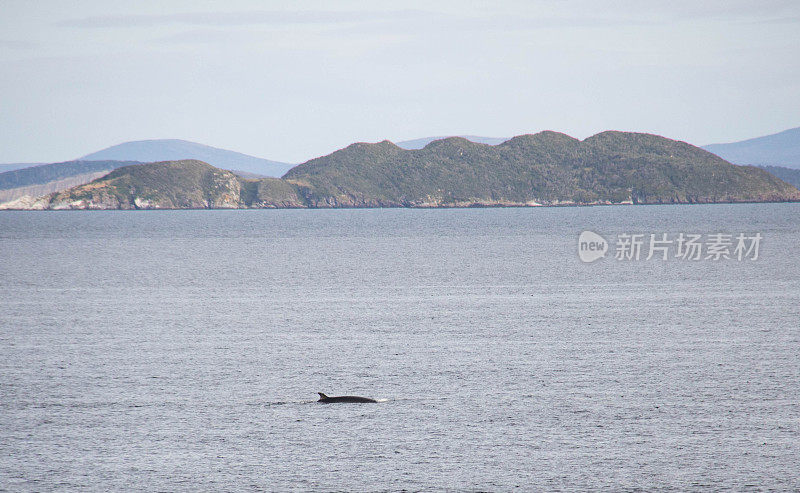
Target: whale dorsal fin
322	396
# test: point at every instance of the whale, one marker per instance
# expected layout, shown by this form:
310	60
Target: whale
324	399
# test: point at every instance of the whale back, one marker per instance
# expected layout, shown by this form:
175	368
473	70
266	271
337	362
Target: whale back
344	398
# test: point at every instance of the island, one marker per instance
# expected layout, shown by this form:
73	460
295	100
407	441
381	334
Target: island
543	169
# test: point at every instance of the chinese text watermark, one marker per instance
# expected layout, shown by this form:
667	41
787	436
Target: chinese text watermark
663	246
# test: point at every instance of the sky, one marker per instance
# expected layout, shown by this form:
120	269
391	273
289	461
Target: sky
290	81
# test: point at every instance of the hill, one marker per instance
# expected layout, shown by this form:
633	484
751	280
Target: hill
12	166
781	149
186	184
39	180
44	173
420	143
547	168
147	151
789	175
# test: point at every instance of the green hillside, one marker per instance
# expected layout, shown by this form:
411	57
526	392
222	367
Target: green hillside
186	184
547	168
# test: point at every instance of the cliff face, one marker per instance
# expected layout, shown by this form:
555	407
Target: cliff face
186	184
272	193
168	185
529	170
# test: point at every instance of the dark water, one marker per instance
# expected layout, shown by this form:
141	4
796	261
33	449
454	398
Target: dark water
182	350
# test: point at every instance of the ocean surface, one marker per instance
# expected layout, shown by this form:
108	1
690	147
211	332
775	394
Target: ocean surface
183	350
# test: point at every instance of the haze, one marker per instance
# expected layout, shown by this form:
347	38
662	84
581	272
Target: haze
292	81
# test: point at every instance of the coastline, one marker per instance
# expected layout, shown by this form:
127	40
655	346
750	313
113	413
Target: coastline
471	205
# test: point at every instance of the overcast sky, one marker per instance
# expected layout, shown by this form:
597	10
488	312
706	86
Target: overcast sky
293	80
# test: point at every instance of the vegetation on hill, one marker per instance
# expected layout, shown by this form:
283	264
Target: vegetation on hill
169	185
547	168
186	184
422	142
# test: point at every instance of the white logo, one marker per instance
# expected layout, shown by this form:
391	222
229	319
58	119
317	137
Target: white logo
686	246
591	246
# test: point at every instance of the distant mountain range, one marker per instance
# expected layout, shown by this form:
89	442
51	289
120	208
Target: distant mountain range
33	179
547	168
789	175
420	143
147	151
39	180
776	150
12	166
36	175
781	149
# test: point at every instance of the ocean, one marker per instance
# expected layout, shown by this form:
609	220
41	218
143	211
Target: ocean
183	351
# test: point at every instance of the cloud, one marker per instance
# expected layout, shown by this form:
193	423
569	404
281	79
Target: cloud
199	36
218	19
681	10
781	20
12	44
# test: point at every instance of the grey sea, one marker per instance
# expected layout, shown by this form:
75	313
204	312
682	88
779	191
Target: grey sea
183	350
